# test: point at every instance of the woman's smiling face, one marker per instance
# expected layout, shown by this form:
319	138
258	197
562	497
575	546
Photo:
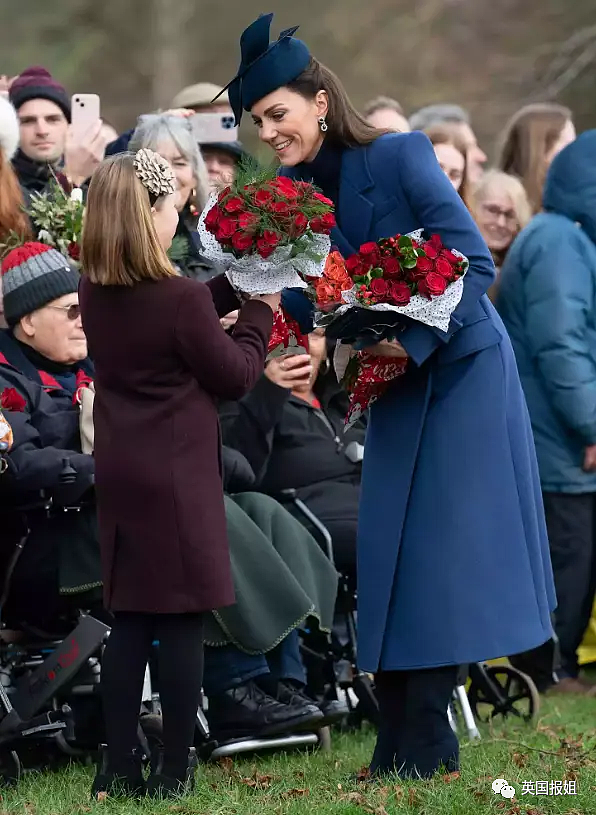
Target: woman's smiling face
288	123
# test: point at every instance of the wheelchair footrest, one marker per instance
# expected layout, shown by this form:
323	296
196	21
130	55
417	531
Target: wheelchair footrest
257	745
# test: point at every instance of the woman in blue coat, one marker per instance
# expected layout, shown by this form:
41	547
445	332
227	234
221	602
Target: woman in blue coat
453	560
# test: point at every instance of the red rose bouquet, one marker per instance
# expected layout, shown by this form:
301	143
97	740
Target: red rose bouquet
364	299
267	232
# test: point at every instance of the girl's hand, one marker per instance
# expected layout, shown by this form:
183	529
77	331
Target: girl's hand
387	348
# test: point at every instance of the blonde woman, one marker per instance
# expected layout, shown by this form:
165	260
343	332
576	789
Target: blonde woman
501	209
530	141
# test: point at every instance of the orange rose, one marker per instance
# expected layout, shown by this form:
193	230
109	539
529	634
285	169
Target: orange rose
335	268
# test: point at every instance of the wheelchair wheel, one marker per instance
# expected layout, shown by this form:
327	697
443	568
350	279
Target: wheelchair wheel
507	692
152	727
368	707
11	768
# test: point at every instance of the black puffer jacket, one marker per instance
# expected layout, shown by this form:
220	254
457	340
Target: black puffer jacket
291	444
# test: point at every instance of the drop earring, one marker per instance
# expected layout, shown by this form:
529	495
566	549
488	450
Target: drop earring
323	124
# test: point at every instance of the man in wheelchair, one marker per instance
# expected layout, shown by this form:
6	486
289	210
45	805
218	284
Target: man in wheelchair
254	674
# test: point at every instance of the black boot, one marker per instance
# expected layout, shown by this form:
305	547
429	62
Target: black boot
289	693
129	783
160	785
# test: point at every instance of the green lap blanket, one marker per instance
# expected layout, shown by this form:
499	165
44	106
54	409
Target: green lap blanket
281	577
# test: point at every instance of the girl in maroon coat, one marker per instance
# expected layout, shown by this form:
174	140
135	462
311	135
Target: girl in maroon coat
162	360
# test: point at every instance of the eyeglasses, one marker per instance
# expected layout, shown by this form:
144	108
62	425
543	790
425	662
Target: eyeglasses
508	214
73	312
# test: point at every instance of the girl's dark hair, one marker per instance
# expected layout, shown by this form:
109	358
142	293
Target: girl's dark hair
346	126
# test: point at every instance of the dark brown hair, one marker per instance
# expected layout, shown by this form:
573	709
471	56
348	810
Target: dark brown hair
120	246
450	133
346	126
525	143
12	215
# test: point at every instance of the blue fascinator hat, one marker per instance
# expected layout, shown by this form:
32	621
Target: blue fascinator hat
265	66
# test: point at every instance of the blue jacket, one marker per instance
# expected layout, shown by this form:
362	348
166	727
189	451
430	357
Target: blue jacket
547	299
453	559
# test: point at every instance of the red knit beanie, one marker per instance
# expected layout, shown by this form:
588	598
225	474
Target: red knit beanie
37	83
34	275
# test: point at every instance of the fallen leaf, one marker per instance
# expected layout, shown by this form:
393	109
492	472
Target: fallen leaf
363	774
398	791
520	759
226	764
295	793
413	800
102	796
534	812
355	798
449	777
570	775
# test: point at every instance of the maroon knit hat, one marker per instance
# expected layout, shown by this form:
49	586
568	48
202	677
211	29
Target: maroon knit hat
37	83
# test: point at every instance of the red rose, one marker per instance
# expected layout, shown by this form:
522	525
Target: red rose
423	288
286	187
450	257
379	287
435	240
390	265
435	283
248	220
316	225
235	204
74	250
328	221
321	199
263	198
264	249
212	218
241	241
280	208
444	268
223	194
431	251
355	266
272	238
300	224
424	265
400	293
11	399
226	228
267	243
369	252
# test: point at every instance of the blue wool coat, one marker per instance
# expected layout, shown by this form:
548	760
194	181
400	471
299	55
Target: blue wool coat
547	299
453	558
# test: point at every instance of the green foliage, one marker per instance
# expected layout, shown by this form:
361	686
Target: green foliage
57	218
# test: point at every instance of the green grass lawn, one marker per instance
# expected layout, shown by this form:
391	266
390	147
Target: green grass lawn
560	746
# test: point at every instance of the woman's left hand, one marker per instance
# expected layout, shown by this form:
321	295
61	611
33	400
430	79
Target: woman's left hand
387	348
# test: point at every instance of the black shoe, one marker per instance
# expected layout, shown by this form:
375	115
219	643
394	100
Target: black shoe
332	709
248	711
130	784
160	785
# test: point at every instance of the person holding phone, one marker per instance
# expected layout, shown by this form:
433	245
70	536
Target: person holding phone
48	144
162	523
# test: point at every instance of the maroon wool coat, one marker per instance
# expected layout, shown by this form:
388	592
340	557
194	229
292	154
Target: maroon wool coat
162	360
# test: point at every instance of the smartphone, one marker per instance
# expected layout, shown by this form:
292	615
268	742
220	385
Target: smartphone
85	112
209	128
